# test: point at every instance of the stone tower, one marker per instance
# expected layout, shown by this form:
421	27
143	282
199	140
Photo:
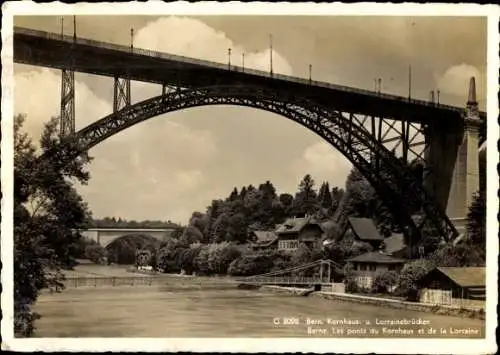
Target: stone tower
465	178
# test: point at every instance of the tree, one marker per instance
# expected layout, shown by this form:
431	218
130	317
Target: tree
47	210
243	193
410	274
168	255
305	201
476	223
234	195
337	195
286	200
325	196
237	230
360	196
191	235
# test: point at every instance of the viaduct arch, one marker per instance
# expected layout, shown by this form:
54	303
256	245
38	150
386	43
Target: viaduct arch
390	177
106	236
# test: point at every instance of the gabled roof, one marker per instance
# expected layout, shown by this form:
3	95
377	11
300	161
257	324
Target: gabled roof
376	257
295	225
365	229
465	276
265	243
264	236
394	243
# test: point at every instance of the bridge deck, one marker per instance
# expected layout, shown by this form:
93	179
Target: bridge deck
94	57
285	281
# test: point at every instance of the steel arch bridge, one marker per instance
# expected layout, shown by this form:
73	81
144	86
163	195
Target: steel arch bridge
389	175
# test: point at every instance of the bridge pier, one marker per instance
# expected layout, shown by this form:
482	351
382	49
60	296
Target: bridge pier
452	152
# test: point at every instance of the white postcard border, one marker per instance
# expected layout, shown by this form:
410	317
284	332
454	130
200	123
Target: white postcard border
457	346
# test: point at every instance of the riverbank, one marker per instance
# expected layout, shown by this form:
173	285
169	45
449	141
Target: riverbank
473	313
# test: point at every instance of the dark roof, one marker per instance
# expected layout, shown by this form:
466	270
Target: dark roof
365	229
264	236
265	243
295	225
376	257
465	276
394	243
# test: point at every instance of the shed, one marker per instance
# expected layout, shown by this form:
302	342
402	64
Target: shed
463	282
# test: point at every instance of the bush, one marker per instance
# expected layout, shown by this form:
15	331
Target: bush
351	285
410	274
95	253
170	256
227	255
201	260
80	245
463	254
302	255
187	258
282	261
384	281
247	265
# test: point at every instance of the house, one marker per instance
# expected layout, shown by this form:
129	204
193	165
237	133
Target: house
297	231
395	246
265	240
289	235
367	265
444	285
363	230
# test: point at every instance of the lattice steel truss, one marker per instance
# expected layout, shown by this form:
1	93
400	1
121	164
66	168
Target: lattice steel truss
121	96
392	179
67	118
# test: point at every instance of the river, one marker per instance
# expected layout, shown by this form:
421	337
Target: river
161	311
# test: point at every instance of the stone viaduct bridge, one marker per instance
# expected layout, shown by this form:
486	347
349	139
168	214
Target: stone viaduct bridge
105	236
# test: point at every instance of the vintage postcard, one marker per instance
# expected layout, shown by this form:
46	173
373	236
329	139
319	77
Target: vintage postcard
249	177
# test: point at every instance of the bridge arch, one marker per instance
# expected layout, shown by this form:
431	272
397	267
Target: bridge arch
145	237
389	176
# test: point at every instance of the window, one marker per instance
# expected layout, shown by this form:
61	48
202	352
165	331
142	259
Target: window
372	267
362	266
288	244
391	267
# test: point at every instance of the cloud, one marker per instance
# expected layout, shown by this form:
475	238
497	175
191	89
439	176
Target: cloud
37	94
192	38
324	163
455	81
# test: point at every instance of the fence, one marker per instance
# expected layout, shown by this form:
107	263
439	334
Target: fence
444	297
75	282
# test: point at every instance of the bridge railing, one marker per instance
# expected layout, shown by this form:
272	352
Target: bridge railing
215	65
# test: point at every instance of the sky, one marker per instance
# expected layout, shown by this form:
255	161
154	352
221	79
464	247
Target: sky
174	164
